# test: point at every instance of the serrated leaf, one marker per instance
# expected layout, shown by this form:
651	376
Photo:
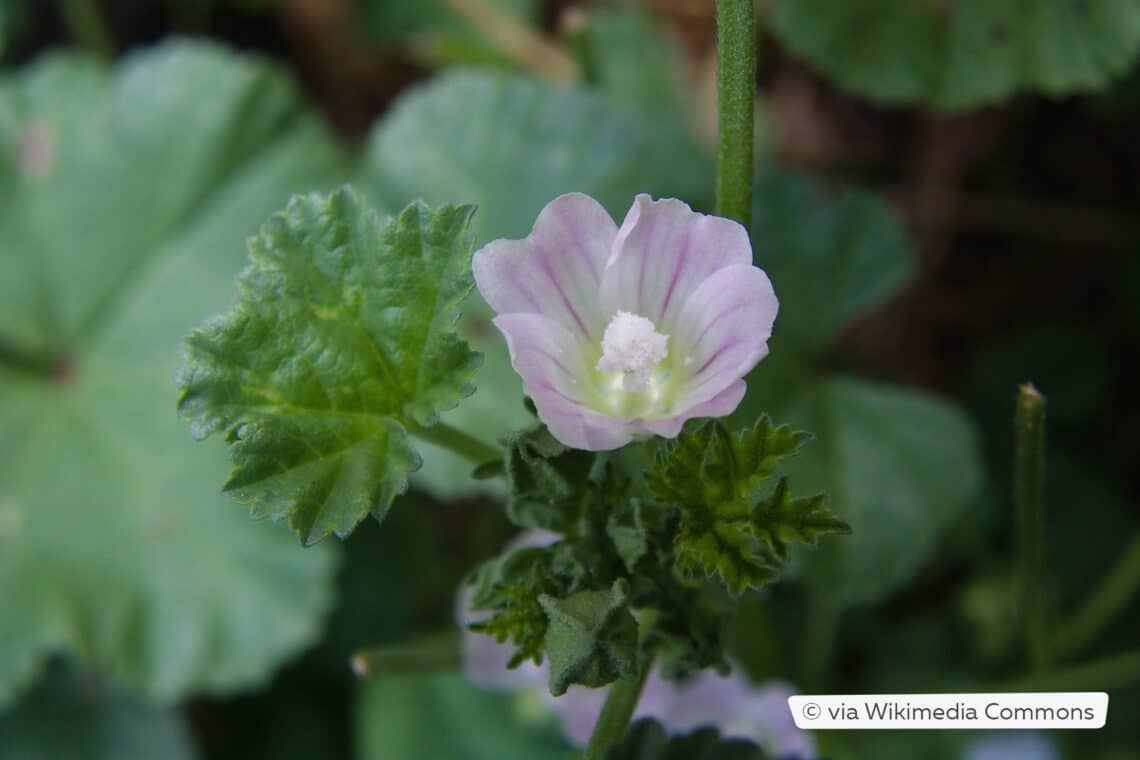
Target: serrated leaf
509	587
68	715
726	550
780	519
729	529
707	465
964	53
646	739
591	639
115	546
341	341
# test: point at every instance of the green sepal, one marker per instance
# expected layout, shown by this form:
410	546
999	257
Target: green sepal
591	639
341	342
546	480
628	532
489	470
646	739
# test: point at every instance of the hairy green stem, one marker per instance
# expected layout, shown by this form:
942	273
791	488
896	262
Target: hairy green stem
85	24
736	92
456	441
616	714
1029	501
1113	672
1109	599
437	651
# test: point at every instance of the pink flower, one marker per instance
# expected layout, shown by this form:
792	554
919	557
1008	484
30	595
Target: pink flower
621	333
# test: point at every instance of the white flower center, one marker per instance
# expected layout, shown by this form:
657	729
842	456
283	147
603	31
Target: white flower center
632	345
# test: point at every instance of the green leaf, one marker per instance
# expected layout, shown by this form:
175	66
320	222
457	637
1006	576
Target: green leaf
68	715
899	465
637	59
628	529
709	469
115	546
511	144
832	256
686	626
964	53
780	519
646	739
729	528
342	341
445	716
591	639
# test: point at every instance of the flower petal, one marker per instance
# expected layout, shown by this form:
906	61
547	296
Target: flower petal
548	358
723	331
555	271
720	405
663	251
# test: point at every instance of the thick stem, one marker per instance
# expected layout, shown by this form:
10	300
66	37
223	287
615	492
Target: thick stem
736	92
1109	599
616	714
85	24
1028	501
456	441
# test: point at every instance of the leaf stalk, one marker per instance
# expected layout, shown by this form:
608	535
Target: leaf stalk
433	652
1110	598
456	441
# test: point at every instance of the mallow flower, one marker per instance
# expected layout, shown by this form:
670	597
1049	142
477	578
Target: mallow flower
626	332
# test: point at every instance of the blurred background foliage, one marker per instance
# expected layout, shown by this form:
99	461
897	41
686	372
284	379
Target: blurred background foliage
946	203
